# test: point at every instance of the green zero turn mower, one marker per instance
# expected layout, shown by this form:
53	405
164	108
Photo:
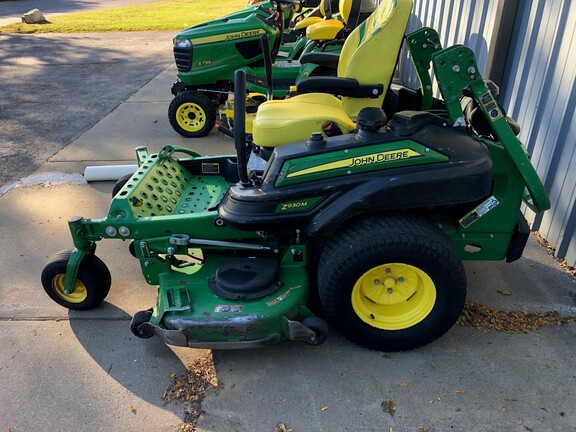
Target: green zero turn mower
368	229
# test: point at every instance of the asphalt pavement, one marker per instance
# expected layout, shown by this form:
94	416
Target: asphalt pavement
11	11
64	371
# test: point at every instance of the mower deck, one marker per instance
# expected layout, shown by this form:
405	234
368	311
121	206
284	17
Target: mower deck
190	316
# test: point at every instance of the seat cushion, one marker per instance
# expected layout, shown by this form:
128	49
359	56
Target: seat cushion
308	21
280	122
324	30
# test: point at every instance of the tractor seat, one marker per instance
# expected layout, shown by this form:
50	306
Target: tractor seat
360	83
311	112
321	13
352	13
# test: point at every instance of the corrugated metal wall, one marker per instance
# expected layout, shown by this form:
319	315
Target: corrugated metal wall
466	22
538	88
540	93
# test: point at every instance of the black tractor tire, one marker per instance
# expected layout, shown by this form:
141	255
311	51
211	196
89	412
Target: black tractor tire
391	282
92	284
318	326
120	184
192	114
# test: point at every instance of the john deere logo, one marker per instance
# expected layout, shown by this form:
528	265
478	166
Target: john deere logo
228	37
242	35
369	159
383	157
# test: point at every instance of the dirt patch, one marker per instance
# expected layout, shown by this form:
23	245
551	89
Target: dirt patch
189	387
484	318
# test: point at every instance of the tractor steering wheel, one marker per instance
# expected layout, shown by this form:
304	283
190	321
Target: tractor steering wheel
284	5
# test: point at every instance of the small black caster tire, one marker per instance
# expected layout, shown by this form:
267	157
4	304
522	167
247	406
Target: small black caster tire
318	326
138	319
91	287
120	184
132	248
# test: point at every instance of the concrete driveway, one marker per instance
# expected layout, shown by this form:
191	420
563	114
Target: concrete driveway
63	371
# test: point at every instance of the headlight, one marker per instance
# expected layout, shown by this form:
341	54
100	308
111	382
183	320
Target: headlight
182	43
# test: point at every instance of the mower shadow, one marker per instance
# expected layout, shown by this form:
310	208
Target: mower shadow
143	367
313	388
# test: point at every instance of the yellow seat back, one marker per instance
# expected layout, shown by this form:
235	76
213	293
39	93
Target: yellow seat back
370	52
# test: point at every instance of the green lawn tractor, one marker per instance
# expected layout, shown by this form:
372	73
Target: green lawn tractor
207	55
366	230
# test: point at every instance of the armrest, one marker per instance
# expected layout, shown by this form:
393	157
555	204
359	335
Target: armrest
321	59
340	86
330	43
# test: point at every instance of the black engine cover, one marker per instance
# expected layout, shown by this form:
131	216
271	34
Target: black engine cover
463	176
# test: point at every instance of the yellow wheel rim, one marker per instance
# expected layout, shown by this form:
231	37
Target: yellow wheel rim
78	296
393	296
190	117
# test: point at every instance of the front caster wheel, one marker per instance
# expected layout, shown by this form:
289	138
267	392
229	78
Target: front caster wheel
192	114
120	184
90	288
137	320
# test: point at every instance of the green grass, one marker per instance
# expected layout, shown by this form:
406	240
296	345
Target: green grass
162	15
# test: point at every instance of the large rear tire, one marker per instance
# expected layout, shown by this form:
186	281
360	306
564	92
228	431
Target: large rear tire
391	283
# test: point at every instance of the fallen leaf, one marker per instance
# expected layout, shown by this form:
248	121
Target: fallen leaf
389	407
132	409
520	421
281	427
403	384
504	292
459	391
189	387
